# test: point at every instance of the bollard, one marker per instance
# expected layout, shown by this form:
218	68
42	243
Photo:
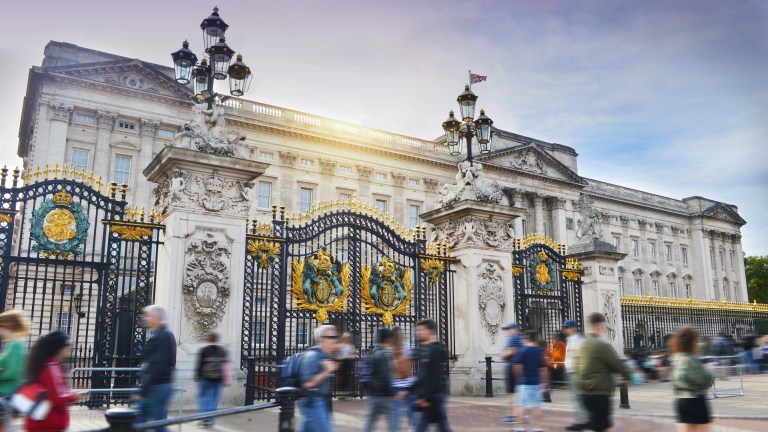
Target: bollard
488	377
121	419
250	380
286	397
623	396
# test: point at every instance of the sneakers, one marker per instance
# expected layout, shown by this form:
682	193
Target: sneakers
576	427
509	419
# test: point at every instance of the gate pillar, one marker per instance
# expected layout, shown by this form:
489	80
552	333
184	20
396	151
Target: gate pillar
204	200
600	285
481	237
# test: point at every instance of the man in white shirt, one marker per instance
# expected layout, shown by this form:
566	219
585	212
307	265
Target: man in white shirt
571	328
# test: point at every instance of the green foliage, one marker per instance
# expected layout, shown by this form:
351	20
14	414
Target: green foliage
757	278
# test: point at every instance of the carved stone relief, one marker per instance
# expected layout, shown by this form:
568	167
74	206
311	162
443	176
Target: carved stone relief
60	112
569	224
609	310
327	166
475	231
431	184
106	120
211	192
606	271
206	282
491	299
587	271
471	184
530	161
591	223
398	178
287	158
148	127
364	172
207	133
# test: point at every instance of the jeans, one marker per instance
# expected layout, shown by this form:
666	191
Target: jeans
435	414
380	405
314	415
406	404
154	405
749	361
208	397
581	415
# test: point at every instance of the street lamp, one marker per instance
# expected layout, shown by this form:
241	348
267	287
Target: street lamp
456	132
214	66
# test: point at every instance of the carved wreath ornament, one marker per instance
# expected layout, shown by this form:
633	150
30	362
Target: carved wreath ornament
386	289
320	284
206	283
59	227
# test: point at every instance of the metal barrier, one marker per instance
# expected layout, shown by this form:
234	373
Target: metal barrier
728	376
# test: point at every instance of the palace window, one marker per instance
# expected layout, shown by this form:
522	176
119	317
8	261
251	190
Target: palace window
525	227
307	163
736	293
621	286
381	205
63	321
730	255
712	256
79	159
652	250
126	125
266	156
616	242
265	194
638	287
413	182
722	259
165	133
668	253
380	176
122	171
345	197
302	333
672	290
655	288
259	333
635	248
305	200
82	118
684	253
687	290
343	169
413	215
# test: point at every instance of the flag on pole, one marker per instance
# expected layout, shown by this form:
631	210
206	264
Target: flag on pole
475	78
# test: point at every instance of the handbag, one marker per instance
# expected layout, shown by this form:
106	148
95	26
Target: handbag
31	400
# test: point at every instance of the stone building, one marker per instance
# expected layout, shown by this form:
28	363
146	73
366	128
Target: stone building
102	112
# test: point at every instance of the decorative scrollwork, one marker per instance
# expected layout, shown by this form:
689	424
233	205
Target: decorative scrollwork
131	232
542	273
321	284
6	218
433	268
265	252
59	227
386	289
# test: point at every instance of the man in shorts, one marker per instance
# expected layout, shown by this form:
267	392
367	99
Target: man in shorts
514	342
596	363
531	376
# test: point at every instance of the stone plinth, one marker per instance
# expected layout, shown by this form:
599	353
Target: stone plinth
600	286
481	236
204	200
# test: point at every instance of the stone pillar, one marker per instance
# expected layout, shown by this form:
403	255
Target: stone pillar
430	197
61	116
741	275
200	264
398	201
142	188
600	286
483	294
327	170
288	194
538	208
101	163
719	270
364	192
558	220
517	197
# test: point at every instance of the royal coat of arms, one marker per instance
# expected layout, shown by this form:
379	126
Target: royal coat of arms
321	284
59	227
542	273
386	289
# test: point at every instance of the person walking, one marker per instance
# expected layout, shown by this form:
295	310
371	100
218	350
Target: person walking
380	390
573	342
316	367
431	387
346	353
531	374
514	342
403	380
158	360
596	363
690	380
44	368
13	328
209	374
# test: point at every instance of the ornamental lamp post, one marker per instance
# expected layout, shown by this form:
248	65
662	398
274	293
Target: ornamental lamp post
456	132
215	66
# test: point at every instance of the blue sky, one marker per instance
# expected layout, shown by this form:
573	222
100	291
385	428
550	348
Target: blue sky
669	97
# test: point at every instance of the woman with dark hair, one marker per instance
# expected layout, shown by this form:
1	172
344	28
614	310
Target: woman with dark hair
690	380
44	367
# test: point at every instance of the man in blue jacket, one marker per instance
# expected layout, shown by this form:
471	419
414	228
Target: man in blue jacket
158	365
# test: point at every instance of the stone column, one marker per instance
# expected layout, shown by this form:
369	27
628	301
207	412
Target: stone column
61	116
398	201
101	163
143	189
288	193
327	170
517	197
600	285
364	173
740	272
483	294
558	220
200	263
538	208
430	197
719	270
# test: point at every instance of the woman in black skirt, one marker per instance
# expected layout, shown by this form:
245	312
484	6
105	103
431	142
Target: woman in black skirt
690	380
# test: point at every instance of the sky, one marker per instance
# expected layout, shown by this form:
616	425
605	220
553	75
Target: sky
669	97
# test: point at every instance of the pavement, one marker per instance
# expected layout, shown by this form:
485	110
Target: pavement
650	411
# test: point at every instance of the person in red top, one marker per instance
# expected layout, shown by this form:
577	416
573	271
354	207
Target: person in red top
44	368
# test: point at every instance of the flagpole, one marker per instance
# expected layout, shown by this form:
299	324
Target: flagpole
470	79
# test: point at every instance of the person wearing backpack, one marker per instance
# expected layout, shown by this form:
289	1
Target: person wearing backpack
379	387
315	369
690	381
210	376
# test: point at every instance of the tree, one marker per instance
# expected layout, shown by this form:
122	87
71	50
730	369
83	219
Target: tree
757	278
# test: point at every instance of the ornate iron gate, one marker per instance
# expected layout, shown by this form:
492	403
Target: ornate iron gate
342	263
547	286
78	260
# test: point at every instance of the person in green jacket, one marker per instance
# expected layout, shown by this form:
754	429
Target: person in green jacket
690	380
13	328
596	363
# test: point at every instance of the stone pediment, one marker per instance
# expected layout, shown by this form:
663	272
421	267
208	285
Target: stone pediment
532	159
724	212
130	74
